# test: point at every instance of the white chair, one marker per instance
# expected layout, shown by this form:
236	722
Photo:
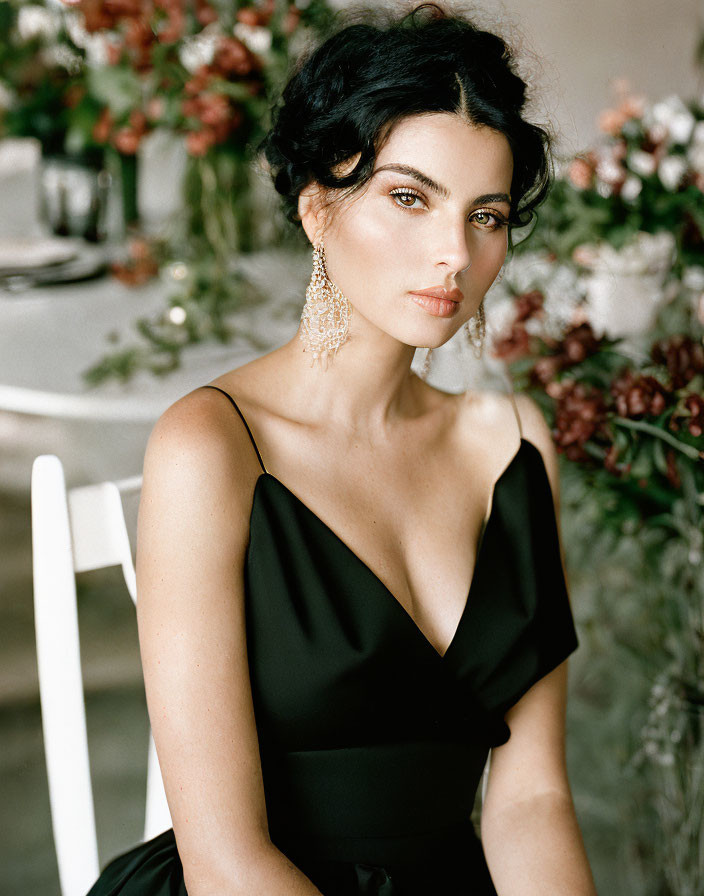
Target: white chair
75	530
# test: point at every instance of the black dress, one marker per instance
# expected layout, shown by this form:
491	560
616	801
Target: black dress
372	743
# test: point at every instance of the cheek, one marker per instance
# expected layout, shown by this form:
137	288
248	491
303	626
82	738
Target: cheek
368	251
488	253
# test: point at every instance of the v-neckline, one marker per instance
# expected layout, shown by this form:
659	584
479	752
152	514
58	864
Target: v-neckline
265	474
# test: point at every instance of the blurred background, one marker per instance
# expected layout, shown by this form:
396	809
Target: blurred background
142	253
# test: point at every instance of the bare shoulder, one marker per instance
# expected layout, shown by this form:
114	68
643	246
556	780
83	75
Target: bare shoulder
200	441
198	479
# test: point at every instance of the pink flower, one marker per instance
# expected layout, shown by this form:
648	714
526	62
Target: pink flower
156	108
580	173
214	108
205	13
199	142
103	126
611	121
127	140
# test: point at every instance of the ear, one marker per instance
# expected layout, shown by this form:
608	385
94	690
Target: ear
311	211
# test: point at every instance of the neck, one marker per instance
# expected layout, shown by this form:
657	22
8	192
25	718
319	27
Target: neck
368	385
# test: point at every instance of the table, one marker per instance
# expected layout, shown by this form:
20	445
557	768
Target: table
49	335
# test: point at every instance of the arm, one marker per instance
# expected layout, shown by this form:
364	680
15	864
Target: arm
192	534
529	829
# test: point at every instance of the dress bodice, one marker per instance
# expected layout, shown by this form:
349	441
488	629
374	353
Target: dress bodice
372	743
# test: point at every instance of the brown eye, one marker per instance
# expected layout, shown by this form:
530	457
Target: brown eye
406	198
493	221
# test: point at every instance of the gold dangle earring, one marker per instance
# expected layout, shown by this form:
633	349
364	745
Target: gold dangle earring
325	318
475	331
475	328
425	368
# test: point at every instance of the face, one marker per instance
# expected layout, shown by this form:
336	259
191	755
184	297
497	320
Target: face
432	216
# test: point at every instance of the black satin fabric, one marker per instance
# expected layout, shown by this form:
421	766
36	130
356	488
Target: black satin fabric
372	743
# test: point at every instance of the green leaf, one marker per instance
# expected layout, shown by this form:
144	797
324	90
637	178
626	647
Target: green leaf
117	88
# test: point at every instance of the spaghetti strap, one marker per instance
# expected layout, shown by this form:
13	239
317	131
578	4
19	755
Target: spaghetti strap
515	409
249	431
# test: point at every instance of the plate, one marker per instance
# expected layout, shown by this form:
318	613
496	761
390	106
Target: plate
89	261
27	253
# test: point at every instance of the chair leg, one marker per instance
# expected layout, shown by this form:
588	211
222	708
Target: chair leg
60	680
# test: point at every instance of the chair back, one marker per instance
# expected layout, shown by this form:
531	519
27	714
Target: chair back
75	530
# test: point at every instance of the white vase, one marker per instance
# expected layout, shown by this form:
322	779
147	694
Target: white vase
625	288
162	164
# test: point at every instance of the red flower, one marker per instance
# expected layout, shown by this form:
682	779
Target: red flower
198	81
214	108
528	304
580	413
95	15
199	142
127	140
579	343
175	25
546	368
205	13
516	344
103	126
683	357
293	17
256	17
232	57
638	395
695	405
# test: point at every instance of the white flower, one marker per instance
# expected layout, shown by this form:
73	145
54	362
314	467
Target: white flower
198	50
36	21
604	189
64	56
675	116
698	134
642	163
681	127
695	157
658	132
96	44
671	170
256	39
693	277
631	188
609	170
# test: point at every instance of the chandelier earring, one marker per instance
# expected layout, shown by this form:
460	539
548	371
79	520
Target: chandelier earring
475	331
425	368
325	318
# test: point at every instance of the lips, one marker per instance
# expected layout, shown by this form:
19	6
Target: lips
439	292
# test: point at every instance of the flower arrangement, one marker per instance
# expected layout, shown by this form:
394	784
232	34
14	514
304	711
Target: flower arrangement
602	321
203	71
637	424
647	175
626	399
110	74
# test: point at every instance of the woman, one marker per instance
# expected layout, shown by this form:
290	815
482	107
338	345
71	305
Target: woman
350	583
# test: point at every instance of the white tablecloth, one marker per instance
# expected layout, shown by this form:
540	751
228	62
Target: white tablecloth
50	335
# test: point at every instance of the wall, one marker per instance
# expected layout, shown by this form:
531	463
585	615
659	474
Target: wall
575	50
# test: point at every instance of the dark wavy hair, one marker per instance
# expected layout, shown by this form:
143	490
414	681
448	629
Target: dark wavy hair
344	97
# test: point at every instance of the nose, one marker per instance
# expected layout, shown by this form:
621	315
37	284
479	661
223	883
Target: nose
453	248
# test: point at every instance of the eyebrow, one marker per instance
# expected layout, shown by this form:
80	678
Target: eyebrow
438	188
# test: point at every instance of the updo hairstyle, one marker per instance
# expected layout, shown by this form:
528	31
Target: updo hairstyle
345	96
